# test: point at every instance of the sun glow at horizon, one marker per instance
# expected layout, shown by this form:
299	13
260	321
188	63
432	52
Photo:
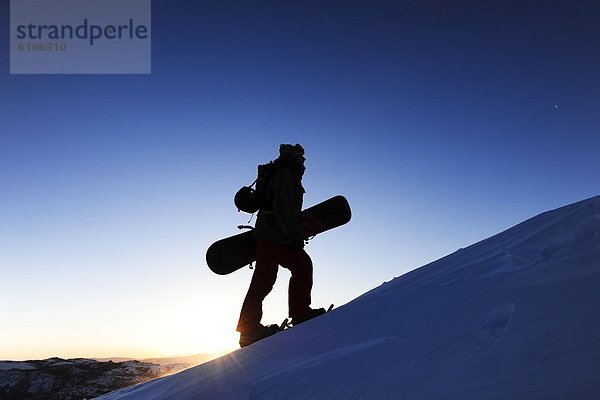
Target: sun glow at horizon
179	322
216	343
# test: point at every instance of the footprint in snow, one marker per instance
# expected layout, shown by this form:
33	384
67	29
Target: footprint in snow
493	328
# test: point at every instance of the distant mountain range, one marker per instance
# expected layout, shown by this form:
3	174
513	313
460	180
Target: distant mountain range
194	359
82	378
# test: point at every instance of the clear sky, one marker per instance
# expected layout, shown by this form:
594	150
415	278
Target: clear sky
442	122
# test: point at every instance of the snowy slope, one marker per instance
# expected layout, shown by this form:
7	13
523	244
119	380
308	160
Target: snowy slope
512	317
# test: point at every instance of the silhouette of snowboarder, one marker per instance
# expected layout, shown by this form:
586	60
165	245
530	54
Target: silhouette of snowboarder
280	242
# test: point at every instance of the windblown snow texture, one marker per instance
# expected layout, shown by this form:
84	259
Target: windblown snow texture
512	317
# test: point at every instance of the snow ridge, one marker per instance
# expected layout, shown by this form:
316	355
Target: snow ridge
540	243
512	317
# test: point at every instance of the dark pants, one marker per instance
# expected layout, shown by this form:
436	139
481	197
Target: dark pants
268	257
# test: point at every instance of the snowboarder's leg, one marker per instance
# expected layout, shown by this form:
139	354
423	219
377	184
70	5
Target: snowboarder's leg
263	279
300	265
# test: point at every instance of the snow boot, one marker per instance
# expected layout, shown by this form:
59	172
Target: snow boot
261	332
312	313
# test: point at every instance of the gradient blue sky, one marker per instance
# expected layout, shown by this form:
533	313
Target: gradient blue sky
442	122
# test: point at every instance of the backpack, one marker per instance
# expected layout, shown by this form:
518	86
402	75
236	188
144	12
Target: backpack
251	200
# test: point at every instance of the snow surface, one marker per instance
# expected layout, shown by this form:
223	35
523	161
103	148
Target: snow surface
514	316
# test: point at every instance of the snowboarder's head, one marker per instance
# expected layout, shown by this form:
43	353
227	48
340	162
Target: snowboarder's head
292	152
292	155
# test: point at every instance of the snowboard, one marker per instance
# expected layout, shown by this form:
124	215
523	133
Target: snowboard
230	254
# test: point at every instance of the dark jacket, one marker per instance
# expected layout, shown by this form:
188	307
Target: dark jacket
285	192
